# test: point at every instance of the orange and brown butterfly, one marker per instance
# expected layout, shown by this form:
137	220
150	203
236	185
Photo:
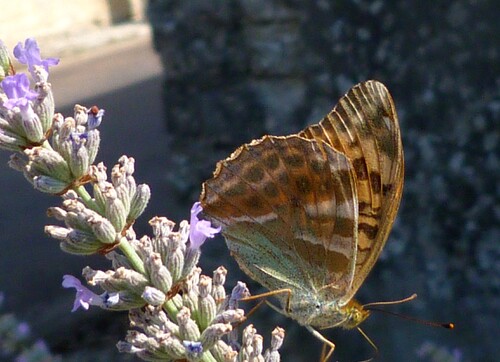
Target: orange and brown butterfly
311	212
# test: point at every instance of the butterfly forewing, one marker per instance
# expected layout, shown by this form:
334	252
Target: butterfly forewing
282	201
364	127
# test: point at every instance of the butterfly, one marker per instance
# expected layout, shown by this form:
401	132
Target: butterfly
309	213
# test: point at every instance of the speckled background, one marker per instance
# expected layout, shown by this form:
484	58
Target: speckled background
235	70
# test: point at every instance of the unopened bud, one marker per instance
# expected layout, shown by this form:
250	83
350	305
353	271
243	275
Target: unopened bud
214	333
153	296
139	201
188	329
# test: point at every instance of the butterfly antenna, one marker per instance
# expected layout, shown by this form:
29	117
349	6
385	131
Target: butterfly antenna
404	300
447	325
370	306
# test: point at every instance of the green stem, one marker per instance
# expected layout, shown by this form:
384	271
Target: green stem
208	357
171	309
46	145
86	198
132	256
124	245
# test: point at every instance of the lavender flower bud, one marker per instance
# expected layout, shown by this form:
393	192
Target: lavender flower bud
127	279
214	333
115	211
103	230
246	342
157	316
79	160
45	162
44	105
272	354
93	142
218	280
123	195
124	300
174	258
117	281
96	277
80	243
57	232
207	308
139	201
153	296
158	273
80	114
239	292
57	122
80	236
11	141
49	185
128	164
188	329
32	126
174	348
230	316
139	339
257	348
57	213
99	172
190	300
100	188
219	350
77	215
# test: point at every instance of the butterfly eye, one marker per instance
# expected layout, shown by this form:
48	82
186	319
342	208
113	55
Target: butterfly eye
318	307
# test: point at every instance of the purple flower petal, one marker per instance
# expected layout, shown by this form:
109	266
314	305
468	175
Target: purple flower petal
94	117
239	292
30	55
200	230
193	347
17	89
84	296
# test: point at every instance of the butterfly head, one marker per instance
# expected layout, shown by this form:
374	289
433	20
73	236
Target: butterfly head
355	314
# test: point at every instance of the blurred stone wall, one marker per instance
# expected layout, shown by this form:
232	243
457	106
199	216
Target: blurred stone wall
235	70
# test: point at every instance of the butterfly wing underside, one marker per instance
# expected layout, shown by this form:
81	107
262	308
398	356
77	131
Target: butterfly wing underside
288	210
364	127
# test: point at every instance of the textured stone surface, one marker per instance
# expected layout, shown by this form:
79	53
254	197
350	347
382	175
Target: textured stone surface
235	70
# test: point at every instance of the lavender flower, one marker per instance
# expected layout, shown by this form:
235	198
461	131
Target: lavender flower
17	89
84	297
94	117
200	229
176	313
29	54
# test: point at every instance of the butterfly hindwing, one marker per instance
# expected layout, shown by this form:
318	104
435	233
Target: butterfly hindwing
288	210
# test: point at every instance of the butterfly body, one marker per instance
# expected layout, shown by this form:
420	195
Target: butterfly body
308	310
310	213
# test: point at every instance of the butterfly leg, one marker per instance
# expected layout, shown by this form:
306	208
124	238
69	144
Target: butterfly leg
270	294
263	296
327	342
